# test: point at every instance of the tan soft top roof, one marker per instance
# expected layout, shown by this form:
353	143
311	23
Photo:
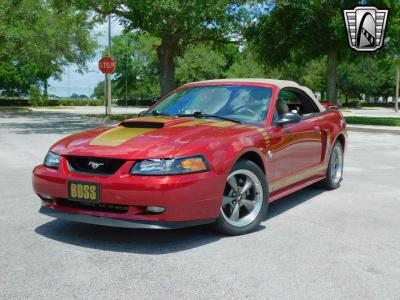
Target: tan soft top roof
279	83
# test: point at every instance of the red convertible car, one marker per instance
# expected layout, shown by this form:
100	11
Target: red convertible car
214	151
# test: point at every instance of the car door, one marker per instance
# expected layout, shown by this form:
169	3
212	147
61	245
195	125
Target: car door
295	147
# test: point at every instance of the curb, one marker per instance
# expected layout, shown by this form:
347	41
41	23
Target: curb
373	130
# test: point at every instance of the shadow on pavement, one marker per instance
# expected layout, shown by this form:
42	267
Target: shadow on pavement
291	201
45	122
153	242
141	241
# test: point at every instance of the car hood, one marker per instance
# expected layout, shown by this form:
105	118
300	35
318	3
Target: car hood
146	137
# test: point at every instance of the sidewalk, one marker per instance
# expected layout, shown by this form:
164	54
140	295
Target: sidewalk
84	110
371	112
382	112
374	128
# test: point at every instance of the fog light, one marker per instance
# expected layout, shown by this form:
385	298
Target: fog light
45	197
155	209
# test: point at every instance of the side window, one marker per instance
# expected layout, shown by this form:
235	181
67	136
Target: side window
308	105
287	101
291	100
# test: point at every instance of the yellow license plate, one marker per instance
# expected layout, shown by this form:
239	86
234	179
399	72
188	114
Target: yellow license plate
83	191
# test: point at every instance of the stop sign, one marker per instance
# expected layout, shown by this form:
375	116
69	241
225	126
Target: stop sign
107	65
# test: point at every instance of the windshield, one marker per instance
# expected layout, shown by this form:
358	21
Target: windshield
247	104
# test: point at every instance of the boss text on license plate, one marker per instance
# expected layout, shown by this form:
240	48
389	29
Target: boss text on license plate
83	191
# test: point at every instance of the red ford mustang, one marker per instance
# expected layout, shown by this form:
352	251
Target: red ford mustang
209	152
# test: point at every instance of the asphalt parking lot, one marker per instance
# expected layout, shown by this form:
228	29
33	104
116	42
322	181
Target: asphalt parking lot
314	245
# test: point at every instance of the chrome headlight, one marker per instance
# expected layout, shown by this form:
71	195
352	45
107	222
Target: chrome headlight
173	166
52	160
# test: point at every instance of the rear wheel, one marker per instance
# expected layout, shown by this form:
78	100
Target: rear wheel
245	200
334	173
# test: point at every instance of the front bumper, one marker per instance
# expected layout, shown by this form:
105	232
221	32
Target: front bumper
192	197
122	223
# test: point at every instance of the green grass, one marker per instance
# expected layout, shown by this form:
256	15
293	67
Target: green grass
20	108
116	117
373	121
56	107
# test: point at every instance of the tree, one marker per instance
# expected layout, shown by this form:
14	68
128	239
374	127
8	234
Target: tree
137	65
314	75
366	75
98	91
38	38
136	72
301	31
177	24
200	62
246	64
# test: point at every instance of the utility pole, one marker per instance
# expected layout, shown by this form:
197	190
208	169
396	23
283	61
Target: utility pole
68	81
126	86
108	76
396	101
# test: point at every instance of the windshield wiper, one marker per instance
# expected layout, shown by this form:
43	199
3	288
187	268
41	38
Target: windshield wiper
199	114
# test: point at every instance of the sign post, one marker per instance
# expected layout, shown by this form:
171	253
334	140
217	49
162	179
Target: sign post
107	67
396	100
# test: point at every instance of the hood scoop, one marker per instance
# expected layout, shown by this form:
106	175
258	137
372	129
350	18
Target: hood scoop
141	124
156	122
124	132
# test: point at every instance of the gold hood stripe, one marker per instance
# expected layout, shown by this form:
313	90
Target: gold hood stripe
192	123
154	119
118	135
222	124
205	122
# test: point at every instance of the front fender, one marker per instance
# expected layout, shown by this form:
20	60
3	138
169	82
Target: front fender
223	153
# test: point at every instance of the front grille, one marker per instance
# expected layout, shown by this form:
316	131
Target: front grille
94	165
104	207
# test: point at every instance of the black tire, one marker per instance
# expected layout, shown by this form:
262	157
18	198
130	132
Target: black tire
222	225
330	182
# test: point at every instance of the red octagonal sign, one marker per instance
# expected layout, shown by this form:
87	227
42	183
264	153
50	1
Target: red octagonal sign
107	65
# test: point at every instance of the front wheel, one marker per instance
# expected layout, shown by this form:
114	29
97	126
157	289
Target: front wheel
245	200
334	173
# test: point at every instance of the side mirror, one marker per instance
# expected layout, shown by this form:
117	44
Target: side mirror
288	118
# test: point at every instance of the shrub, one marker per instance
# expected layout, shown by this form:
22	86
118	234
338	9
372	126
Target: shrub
136	102
35	98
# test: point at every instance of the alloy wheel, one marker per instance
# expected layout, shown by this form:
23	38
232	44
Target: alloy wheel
336	170
243	197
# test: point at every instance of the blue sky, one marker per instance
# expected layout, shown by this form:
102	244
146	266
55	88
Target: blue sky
84	83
